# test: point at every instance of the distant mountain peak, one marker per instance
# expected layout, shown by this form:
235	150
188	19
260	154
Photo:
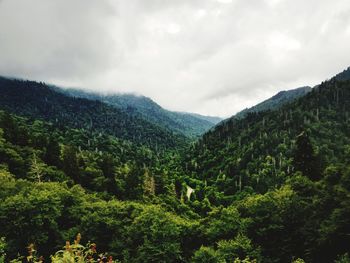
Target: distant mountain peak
276	101
344	75
284	93
188	124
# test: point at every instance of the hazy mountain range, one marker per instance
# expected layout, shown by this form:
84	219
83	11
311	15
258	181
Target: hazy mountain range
145	186
188	124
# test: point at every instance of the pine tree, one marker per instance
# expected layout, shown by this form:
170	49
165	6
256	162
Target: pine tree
305	159
70	163
53	151
148	184
37	169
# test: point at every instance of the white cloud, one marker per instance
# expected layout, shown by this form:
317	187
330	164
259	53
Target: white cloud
273	2
208	56
224	1
281	42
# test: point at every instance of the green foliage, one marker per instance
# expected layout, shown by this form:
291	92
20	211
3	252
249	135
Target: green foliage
343	258
261	151
239	248
275	102
39	101
157	235
222	223
190	125
206	255
304	158
246	260
2	249
271	187
75	252
70	253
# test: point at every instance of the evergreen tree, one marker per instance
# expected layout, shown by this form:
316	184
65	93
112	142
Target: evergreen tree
108	167
10	127
305	159
70	163
53	151
37	169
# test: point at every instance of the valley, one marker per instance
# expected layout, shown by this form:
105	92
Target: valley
269	184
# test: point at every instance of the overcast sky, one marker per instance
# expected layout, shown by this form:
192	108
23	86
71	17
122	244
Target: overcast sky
212	57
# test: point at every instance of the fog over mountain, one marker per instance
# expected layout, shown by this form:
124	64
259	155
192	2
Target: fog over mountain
189	131
213	57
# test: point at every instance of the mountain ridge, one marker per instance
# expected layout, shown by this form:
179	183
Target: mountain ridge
236	143
37	100
276	101
278	178
189	124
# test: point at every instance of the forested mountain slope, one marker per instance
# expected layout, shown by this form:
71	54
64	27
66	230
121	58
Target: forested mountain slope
39	101
285	97
276	101
212	119
344	75
58	179
271	187
258	150
187	124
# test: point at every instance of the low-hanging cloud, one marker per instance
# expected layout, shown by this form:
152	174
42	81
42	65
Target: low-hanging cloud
210	56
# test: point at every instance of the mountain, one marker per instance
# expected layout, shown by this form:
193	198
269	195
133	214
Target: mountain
344	75
188	124
278	100
243	150
212	119
39	101
287	172
287	96
272	186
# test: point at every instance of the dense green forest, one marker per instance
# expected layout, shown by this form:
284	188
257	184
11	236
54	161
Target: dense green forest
272	186
39	101
276	101
190	125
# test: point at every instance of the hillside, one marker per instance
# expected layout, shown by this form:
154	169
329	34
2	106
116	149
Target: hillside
190	125
277	178
212	119
243	150
344	75
265	151
276	101
39	101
